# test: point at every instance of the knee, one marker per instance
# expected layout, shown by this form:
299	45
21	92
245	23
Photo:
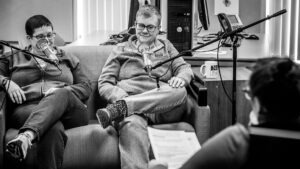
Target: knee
181	91
175	92
99	135
62	92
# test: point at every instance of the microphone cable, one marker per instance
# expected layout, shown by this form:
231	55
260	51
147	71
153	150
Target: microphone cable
220	43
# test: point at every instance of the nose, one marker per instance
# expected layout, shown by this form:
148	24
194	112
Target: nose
145	30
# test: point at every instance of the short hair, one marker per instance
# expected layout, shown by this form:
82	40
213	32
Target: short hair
35	22
276	83
148	11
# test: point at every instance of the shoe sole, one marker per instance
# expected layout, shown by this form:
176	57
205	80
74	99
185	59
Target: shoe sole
102	122
14	150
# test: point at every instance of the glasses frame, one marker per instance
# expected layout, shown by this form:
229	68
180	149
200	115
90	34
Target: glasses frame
43	36
148	27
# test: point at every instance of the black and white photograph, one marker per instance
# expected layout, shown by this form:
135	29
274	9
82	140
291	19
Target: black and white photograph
149	84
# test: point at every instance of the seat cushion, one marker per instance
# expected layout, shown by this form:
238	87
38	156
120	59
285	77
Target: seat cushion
91	146
87	146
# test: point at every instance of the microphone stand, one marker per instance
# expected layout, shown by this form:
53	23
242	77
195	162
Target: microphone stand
234	36
28	53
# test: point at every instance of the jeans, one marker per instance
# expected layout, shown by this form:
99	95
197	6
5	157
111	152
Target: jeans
157	102
49	118
164	105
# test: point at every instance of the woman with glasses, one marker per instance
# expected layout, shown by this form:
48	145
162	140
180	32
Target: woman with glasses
139	95
46	98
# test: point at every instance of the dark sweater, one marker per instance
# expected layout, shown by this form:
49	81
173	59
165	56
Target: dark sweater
24	71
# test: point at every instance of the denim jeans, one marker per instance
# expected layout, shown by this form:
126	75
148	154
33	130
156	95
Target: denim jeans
164	105
49	118
155	103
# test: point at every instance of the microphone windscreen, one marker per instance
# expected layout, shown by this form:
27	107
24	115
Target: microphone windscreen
42	44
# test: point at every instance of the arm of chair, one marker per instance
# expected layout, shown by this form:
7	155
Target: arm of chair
2	125
198	112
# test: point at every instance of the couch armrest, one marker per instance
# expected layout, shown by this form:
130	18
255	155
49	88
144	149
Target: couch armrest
199	118
197	90
198	112
201	123
2	125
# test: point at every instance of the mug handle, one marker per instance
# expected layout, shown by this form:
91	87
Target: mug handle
202	68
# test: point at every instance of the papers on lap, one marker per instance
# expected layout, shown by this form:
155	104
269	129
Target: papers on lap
174	147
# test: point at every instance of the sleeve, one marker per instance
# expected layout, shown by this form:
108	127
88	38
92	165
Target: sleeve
81	86
107	82
4	69
179	66
227	149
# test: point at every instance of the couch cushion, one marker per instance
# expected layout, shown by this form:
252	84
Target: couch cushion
92	59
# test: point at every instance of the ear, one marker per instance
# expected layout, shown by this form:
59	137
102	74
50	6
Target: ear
255	104
158	28
24	42
28	37
254	114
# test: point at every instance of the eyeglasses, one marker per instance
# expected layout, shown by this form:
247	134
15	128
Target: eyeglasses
150	28
42	36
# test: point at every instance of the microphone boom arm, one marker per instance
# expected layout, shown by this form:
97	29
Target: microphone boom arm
26	52
222	37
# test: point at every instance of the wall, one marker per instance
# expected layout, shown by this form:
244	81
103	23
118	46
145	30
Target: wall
249	12
14	13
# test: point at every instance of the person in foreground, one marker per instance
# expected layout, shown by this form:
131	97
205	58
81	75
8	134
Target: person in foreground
274	93
135	101
46	99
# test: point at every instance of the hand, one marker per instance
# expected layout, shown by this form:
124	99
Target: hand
49	91
15	93
176	82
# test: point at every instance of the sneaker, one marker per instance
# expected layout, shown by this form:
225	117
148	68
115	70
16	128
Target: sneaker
115	111
17	148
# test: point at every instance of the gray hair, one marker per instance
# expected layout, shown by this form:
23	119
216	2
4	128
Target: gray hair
148	11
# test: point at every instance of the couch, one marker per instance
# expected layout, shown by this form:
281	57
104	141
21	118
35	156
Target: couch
92	146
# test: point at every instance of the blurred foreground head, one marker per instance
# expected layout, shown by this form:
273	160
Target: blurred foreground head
275	83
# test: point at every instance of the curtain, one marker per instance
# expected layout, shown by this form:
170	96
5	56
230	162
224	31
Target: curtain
134	6
283	31
100	15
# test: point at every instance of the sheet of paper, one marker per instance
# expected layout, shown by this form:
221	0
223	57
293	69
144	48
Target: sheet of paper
226	6
173	147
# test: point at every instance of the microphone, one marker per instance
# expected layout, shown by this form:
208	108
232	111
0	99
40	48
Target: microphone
42	44
147	61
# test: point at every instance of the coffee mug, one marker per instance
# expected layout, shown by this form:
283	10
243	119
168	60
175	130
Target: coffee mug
209	69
